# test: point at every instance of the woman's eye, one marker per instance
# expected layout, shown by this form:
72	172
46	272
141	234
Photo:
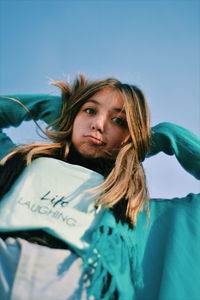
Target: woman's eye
90	111
119	121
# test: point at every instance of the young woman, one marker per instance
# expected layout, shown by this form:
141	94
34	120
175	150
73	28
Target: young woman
83	200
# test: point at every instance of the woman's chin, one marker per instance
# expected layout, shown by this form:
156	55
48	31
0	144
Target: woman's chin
90	151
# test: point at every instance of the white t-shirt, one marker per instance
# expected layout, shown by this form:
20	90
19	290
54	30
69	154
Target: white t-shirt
50	195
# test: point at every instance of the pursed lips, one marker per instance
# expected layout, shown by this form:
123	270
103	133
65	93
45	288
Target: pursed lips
95	140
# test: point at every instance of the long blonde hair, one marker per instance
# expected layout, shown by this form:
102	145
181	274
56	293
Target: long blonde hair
126	181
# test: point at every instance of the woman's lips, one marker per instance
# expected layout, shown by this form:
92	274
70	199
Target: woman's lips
95	140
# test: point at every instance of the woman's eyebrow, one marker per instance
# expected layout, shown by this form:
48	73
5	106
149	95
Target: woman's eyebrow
119	110
116	109
93	101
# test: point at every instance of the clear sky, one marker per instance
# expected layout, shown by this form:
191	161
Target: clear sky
153	44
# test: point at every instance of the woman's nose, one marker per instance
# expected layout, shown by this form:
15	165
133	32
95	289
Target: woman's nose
98	123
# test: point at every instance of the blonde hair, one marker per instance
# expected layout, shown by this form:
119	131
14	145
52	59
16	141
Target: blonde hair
126	181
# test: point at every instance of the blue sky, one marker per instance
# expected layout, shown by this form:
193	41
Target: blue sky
153	44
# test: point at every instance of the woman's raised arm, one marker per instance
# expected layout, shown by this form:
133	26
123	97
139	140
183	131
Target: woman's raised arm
41	106
176	140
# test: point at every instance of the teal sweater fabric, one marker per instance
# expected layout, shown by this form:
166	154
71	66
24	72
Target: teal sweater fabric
159	258
42	107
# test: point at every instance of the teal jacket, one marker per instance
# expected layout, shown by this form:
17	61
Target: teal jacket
159	258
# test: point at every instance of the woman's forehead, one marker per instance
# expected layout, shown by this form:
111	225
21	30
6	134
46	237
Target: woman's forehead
109	97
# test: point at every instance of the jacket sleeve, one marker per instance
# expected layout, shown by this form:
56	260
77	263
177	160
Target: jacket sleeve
42	107
176	140
6	144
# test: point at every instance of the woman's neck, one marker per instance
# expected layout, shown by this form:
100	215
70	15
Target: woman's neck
100	165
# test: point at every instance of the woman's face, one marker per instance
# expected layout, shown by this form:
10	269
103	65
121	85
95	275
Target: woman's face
100	127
